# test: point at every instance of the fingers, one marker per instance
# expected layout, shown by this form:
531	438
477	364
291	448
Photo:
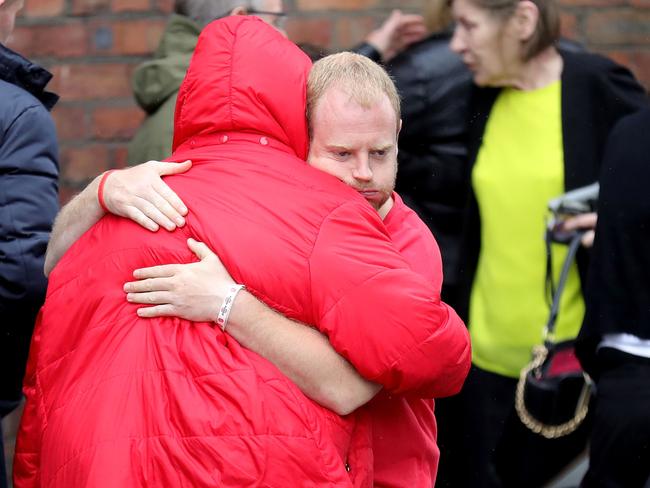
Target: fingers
166	168
149	298
583	221
171	198
174	208
199	249
165	310
163	271
141	219
154	207
588	239
148	285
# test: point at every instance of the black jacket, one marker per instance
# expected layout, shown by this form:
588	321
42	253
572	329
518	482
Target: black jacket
596	93
617	295
435	88
28	205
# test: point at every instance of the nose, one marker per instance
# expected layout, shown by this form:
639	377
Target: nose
362	171
456	44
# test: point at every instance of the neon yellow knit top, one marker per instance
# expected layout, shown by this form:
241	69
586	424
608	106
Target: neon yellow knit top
518	169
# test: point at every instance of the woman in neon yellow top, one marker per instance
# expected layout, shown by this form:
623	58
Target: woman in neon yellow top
539	122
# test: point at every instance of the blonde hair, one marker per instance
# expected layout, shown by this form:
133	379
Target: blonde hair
362	79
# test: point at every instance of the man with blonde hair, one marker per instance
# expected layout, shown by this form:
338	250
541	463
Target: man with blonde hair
354	121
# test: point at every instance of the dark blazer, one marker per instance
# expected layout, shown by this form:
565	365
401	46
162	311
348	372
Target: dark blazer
617	294
596	93
28	205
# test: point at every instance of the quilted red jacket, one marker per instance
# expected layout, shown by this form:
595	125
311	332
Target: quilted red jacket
115	400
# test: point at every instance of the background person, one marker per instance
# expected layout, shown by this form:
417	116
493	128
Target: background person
538	124
28	204
614	342
156	82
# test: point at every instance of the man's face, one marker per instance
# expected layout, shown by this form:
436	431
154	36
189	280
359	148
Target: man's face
357	145
8	11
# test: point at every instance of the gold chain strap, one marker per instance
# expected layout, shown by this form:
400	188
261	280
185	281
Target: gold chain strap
549	431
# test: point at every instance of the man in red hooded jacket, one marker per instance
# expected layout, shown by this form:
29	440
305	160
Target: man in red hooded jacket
348	277
353	119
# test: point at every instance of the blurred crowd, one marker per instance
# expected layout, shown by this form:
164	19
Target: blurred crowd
497	115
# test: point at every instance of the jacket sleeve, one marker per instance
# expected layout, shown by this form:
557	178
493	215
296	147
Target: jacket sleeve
622	93
387	320
28	205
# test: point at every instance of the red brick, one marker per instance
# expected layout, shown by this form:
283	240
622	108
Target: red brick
637	61
569	25
315	31
350	31
66	192
166	6
130	5
119	157
85	7
70	122
92	81
43	8
116	122
640	3
616	27
59	41
127	37
80	164
335	4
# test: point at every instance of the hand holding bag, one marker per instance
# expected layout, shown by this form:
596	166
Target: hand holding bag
553	392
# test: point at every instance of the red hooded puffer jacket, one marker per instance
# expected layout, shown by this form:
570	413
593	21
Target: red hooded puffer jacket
115	400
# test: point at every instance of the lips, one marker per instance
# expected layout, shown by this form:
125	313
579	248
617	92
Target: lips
370	195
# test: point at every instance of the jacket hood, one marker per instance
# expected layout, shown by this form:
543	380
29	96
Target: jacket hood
23	73
156	80
246	77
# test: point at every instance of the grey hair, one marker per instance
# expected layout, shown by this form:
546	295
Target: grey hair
205	11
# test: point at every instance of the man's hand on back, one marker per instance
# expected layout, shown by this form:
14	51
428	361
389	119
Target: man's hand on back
140	194
192	291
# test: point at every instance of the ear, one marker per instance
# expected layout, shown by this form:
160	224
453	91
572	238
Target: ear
399	126
525	19
236	11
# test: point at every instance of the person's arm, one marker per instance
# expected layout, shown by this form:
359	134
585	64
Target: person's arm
196	291
397	32
137	193
28	203
380	315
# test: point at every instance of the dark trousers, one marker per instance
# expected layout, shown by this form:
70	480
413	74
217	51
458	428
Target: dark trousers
498	451
620	442
6	407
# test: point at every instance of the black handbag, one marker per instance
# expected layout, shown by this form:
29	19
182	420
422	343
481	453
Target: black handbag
553	392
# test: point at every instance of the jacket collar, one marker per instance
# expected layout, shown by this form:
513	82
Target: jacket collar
21	72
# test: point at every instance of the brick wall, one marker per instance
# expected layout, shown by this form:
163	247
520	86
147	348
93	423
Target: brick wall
92	47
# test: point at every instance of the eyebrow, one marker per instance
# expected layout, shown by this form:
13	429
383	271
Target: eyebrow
388	147
339	147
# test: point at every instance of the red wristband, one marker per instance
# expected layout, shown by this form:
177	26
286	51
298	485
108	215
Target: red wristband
100	191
